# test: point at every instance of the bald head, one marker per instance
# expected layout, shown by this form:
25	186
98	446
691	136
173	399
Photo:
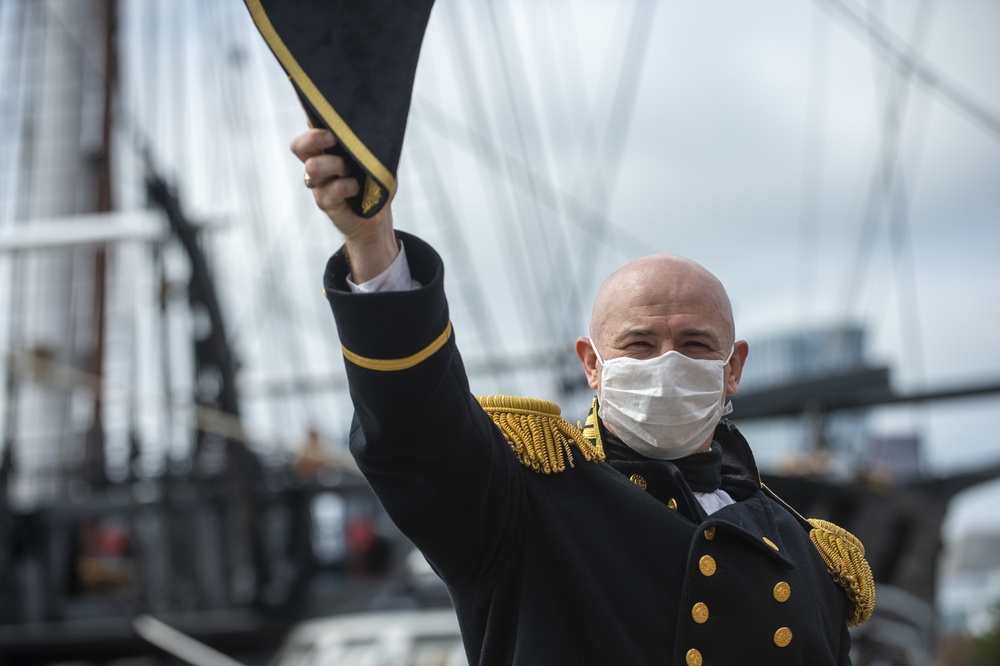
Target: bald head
661	295
658	304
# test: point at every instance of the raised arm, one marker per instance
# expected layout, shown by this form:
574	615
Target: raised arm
441	469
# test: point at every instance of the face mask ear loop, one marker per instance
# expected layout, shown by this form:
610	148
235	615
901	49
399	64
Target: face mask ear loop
597	353
728	407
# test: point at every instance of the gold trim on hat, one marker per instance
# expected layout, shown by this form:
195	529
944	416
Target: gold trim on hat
345	135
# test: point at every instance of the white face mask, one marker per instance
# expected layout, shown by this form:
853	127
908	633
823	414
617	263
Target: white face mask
664	407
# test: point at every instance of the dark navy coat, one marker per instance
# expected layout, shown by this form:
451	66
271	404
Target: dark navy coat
609	562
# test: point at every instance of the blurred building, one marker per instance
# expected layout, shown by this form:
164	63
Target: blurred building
804	402
827	463
810	441
969	593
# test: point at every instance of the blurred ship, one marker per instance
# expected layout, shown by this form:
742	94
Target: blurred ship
808	395
128	484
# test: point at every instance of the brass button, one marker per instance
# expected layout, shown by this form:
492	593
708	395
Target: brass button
782	637
706	565
769	543
692	658
710	533
782	591
672	504
700	613
638	480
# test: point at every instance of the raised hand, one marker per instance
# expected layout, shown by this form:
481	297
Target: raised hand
371	243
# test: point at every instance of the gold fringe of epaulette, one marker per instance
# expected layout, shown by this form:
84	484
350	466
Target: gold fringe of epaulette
845	558
591	429
541	439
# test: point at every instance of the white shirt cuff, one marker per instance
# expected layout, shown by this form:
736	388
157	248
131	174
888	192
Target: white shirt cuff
394	278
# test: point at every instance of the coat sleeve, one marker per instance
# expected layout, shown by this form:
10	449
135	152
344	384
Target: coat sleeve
439	466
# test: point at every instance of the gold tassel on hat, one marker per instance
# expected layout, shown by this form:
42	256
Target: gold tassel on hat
845	558
541	439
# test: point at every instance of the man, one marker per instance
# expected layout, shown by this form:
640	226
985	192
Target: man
647	538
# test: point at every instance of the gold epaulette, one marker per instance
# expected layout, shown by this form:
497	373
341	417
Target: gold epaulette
845	558
541	439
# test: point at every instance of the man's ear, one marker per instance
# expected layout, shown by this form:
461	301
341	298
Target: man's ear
585	352
735	366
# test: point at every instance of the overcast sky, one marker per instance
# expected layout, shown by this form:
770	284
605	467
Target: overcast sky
754	145
752	137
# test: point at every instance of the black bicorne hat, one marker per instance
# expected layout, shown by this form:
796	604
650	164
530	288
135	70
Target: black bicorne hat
352	63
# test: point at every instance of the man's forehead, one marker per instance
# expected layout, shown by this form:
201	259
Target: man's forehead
658	287
661	272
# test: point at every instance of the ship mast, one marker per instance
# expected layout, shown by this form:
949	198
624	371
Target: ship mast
94	459
57	319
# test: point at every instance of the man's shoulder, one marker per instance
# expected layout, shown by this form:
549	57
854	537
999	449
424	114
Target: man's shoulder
844	557
538	435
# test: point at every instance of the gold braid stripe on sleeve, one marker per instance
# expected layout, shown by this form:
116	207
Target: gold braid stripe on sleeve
392	364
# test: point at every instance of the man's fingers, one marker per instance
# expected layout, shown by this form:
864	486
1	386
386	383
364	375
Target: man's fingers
328	178
331	195
326	171
312	142
321	168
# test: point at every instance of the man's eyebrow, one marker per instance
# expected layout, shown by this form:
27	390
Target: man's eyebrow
688	332
633	333
699	333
